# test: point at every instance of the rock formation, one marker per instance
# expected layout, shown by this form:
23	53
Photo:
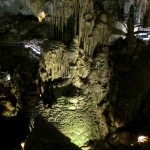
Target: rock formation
65	83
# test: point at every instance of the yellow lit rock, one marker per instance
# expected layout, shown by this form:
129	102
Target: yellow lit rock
41	15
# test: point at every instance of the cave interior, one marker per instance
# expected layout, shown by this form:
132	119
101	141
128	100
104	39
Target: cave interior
74	74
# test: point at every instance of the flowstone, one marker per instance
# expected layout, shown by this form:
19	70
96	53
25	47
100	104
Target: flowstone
76	88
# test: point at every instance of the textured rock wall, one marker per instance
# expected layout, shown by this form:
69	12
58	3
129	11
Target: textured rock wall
71	102
63	19
74	72
129	81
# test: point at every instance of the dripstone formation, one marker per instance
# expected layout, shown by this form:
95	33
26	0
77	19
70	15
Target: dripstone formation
74	74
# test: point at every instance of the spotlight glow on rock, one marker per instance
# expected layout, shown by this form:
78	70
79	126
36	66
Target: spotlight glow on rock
143	139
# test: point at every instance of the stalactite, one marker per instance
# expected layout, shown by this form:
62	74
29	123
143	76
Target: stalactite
85	26
50	27
63	21
76	10
81	12
61	27
59	30
52	30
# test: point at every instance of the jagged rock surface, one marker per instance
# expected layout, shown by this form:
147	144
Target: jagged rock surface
74	111
74	100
